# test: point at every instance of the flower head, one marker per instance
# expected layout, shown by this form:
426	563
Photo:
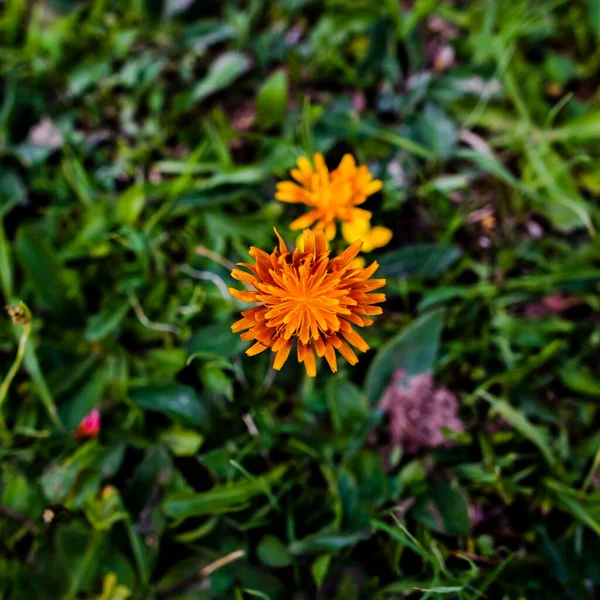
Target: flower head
307	296
332	195
89	426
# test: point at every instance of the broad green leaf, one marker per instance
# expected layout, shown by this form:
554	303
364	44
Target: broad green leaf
272	552
580	380
57	481
221	74
182	442
130	204
436	131
223	497
443	508
43	269
414	350
176	400
347	405
271	103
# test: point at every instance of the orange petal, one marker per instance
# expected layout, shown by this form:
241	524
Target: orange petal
246	277
282	355
256	349
347	256
242	324
243	296
282	247
309	241
330	356
345	350
309	362
355	340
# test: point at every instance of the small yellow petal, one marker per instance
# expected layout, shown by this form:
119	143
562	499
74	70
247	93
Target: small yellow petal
380	236
358	263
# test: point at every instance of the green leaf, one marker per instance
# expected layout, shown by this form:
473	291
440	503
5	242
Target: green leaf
58	480
130	204
347	405
6	268
326	542
182	442
422	260
271	103
414	350
223	497
221	74
272	552
401	535
437	131
105	322
594	16
443	508
319	569
522	424
216	340
176	400
572	505
106	510
445	589
43	269
585	127
580	380
140	553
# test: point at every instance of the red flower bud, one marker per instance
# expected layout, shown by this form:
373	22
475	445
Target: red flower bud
89	426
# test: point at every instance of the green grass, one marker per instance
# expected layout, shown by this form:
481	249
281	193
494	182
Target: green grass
140	144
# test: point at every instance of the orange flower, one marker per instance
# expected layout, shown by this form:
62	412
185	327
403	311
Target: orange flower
306	296
332	195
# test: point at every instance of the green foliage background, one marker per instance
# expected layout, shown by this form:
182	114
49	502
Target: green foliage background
140	142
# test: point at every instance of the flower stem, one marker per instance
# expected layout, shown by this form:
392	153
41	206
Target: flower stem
4	433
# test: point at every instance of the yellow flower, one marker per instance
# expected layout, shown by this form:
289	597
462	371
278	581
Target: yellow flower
372	237
331	196
306	296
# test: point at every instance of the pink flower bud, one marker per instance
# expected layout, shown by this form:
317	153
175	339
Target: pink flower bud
89	426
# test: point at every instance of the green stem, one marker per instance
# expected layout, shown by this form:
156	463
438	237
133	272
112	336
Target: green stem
86	561
4	433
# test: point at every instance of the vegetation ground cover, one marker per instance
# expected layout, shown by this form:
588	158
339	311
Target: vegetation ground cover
143	455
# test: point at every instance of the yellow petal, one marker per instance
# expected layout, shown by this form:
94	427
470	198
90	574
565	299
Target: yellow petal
358	263
380	236
357	229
